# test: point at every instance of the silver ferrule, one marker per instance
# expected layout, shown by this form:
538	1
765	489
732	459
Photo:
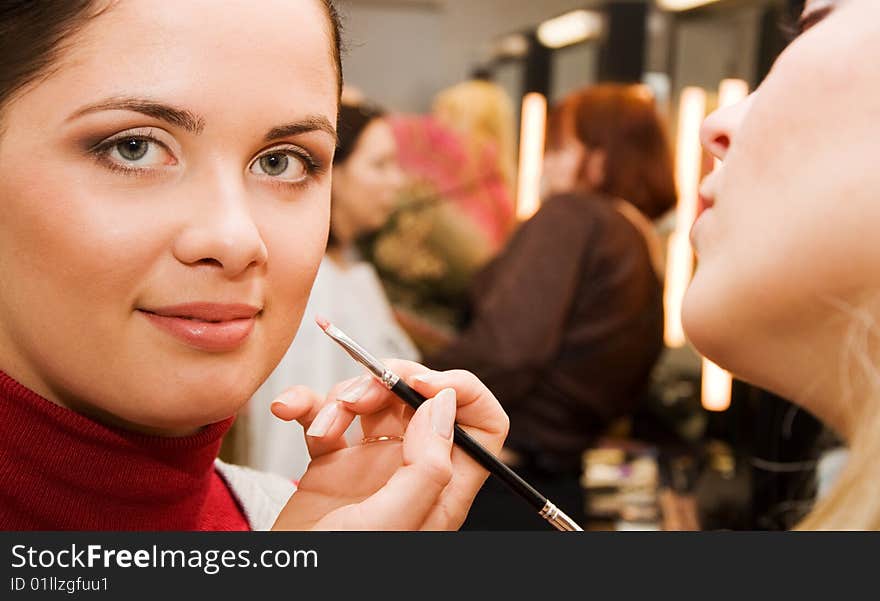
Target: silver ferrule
557	517
389	379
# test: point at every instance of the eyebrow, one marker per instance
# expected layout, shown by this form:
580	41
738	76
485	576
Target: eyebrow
195	124
306	125
175	116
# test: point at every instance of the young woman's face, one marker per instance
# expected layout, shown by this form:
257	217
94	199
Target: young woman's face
789	241
366	185
165	197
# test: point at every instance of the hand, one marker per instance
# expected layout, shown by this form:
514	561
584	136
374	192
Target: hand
423	483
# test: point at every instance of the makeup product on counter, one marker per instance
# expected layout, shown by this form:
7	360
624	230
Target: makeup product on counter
395	384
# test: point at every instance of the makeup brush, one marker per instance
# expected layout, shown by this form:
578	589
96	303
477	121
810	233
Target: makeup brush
395	384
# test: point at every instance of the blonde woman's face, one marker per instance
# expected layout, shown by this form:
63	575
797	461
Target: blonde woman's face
790	237
165	198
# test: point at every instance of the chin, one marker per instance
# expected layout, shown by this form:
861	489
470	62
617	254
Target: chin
704	322
721	332
189	398
189	409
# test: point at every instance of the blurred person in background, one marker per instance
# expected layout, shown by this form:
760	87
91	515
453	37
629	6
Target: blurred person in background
456	214
366	181
568	320
482	113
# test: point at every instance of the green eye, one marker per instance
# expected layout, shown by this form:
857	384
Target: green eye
133	149
274	164
282	164
134	152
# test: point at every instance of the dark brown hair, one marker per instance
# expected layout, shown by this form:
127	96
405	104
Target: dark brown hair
353	120
352	123
33	34
622	121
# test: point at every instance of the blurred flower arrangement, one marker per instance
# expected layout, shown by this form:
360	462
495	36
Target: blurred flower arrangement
453	216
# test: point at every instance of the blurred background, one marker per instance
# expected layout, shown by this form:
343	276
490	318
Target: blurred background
465	89
402	52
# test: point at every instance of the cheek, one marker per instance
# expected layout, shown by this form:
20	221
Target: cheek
559	171
296	240
371	196
568	169
797	225
551	168
776	267
67	232
377	184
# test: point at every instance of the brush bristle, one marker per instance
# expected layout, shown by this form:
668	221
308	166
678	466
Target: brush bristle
322	322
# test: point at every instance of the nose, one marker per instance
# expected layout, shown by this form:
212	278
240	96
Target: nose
720	128
222	232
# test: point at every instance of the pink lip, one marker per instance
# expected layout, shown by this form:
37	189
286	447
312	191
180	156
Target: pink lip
704	204
209	327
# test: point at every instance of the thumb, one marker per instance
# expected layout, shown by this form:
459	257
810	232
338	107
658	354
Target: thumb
407	499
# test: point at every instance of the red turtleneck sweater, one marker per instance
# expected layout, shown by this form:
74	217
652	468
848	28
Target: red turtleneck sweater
60	470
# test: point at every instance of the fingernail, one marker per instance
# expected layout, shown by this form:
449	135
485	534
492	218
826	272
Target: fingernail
355	391
286	398
428	377
322	422
443	413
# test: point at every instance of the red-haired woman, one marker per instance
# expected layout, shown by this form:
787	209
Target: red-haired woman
568	321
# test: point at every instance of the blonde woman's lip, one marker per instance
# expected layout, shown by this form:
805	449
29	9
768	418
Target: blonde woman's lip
704	203
701	212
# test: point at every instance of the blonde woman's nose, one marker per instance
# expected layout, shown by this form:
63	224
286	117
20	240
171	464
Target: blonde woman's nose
720	128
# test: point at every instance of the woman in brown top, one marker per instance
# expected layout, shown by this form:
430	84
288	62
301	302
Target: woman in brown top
567	322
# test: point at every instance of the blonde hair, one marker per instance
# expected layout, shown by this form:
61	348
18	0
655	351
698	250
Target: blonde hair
853	503
485	112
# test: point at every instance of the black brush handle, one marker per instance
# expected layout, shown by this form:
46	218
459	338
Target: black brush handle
478	452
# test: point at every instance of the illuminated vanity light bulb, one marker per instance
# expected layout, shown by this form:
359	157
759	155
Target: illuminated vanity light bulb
689	160
531	154
717	387
678	275
677	5
571	28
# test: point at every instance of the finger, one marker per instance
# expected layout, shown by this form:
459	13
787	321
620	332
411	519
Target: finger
386	422
482	416
364	394
294	403
479	411
323	421
477	406
409	496
382	414
369	395
326	432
